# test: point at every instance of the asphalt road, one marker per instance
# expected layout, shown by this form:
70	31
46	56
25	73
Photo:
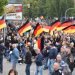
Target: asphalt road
21	69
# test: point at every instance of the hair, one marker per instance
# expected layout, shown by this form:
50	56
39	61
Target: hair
13	71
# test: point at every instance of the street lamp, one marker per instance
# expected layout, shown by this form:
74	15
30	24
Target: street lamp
67	11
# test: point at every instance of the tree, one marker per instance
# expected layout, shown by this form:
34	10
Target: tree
48	8
2	4
58	7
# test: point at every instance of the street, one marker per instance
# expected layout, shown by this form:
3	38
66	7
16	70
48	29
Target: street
21	69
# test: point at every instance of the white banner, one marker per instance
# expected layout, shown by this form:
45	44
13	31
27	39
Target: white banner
13	12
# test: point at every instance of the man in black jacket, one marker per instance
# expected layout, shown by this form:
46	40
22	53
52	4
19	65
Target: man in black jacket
28	61
56	69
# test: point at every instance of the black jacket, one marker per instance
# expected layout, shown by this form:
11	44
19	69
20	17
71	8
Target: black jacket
53	53
39	59
58	72
28	58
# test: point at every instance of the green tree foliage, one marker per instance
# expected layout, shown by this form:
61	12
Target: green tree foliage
2	4
47	8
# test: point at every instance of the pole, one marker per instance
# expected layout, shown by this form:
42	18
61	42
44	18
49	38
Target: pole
67	11
4	35
5	31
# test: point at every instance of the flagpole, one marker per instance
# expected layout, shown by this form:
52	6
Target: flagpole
4	31
4	36
67	11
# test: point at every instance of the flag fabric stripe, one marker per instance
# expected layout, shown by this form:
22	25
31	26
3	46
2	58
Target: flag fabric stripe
70	29
64	25
54	26
54	22
23	25
37	26
21	28
38	30
2	21
2	24
39	43
46	28
24	28
67	27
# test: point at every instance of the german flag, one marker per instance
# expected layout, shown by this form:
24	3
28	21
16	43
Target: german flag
24	28
2	24
38	42
46	28
38	30
54	26
70	29
64	25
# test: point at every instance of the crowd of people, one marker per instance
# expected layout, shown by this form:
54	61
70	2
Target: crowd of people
57	55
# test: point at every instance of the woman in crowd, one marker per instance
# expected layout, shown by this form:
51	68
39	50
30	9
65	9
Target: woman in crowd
13	72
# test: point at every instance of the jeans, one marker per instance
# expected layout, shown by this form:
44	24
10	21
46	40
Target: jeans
45	63
14	65
1	65
50	65
28	69
39	70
